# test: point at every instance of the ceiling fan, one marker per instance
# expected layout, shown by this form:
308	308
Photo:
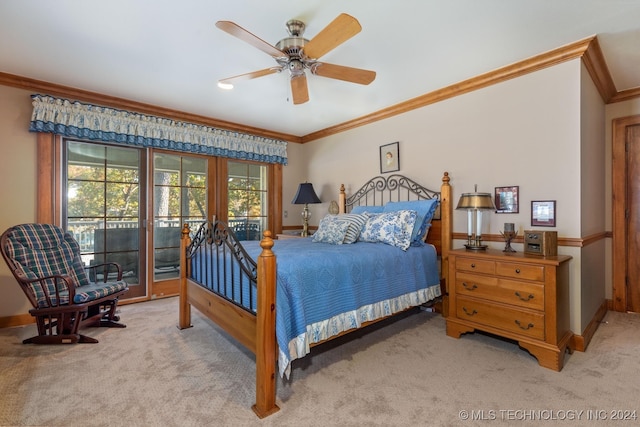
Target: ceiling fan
297	54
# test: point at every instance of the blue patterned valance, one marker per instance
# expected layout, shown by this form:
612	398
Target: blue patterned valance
95	123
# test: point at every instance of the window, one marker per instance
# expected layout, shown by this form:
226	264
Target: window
179	196
247	205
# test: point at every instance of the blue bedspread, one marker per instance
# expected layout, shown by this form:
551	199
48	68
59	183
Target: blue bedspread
325	289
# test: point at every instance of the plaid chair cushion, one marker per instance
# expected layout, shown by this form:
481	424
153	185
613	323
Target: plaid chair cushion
45	250
98	290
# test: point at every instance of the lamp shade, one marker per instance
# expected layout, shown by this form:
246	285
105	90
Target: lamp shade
481	201
305	195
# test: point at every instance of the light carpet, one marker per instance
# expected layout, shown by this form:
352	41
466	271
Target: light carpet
402	372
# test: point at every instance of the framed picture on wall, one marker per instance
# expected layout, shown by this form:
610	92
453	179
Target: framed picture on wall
543	213
389	158
506	199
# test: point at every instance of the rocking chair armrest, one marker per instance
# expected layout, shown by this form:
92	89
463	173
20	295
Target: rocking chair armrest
64	277
106	268
68	282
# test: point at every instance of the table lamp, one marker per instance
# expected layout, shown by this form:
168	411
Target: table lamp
304	196
475	203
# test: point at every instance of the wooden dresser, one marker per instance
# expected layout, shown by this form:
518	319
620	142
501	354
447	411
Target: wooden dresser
521	297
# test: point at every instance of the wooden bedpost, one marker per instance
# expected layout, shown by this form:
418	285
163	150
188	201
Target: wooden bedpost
446	213
266	331
342	200
184	317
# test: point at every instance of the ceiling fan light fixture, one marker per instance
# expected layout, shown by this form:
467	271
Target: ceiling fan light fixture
225	86
296	67
297	54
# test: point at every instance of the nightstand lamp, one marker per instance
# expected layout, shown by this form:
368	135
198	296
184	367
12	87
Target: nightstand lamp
304	196
475	203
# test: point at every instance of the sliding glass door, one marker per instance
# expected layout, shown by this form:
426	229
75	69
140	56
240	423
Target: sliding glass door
103	208
179	197
120	211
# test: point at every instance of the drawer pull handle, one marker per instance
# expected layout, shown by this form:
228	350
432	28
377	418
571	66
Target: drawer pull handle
517	271
473	265
529	326
469	288
529	298
470	313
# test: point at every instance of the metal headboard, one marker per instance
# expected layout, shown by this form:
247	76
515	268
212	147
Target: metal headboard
393	188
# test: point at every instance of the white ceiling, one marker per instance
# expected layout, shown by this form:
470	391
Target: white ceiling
170	54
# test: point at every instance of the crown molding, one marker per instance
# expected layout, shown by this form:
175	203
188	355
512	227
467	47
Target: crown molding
625	95
597	69
593	60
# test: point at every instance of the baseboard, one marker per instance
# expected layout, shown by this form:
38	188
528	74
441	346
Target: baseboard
581	342
17	320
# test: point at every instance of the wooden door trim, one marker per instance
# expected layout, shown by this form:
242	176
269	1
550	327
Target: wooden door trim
619	184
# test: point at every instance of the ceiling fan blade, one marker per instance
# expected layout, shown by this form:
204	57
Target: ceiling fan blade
340	72
252	75
299	89
255	41
337	32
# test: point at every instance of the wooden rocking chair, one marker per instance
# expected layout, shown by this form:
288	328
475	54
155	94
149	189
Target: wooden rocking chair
64	293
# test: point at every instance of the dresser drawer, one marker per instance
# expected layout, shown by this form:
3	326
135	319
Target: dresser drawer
520	321
522	294
520	271
476	265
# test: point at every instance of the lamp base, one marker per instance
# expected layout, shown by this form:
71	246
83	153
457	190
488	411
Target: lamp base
474	243
476	247
305	221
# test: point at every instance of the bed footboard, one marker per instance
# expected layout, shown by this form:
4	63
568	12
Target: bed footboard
256	331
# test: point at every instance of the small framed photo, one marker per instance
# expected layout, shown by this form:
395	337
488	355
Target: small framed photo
543	213
389	158
506	199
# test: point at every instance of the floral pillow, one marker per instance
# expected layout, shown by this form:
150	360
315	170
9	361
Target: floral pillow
393	228
425	210
331	230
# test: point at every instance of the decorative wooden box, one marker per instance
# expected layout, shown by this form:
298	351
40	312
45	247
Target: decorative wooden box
543	243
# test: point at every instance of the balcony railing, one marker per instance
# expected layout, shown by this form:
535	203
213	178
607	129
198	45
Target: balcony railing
84	231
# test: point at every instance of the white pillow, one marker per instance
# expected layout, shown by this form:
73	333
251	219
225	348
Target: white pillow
393	228
425	210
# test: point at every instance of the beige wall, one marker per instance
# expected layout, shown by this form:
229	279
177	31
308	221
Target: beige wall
593	257
523	132
17	183
293	174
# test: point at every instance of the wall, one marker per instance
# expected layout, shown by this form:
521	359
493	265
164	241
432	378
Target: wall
524	132
18	183
592	194
293	174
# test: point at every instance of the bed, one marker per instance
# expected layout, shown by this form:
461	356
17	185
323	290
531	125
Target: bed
322	286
